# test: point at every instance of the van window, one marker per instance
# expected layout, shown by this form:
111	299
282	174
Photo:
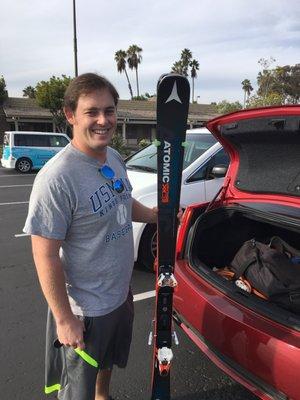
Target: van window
6	139
32	140
58	141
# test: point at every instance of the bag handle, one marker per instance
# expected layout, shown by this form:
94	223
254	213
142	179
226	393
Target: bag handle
280	245
242	268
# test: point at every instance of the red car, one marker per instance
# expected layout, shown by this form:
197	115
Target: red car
252	339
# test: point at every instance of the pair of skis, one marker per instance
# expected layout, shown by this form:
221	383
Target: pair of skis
173	93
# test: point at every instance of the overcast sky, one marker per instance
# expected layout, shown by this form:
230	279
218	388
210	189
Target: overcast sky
227	37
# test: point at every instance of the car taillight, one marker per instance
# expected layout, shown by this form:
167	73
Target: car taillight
183	230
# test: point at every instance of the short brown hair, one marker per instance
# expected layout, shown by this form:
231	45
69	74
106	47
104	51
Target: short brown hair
84	84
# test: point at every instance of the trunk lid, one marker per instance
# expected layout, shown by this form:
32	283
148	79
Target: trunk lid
264	148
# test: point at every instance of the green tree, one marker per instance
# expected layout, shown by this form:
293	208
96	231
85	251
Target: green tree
118	144
285	81
280	85
247	88
272	99
194	64
292	83
225	107
50	94
264	78
3	91
142	97
134	58
120	58
143	143
29	91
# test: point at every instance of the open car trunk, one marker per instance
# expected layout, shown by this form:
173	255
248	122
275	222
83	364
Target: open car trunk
217	236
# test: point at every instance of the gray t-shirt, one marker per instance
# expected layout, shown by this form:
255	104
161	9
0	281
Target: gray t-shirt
71	201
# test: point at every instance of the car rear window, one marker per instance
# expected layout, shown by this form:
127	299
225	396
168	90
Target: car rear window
146	159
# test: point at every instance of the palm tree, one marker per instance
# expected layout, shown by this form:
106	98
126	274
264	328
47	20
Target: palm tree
194	64
29	91
120	58
134	58
247	88
186	57
177	67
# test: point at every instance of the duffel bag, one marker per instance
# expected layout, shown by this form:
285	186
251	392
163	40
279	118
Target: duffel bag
272	269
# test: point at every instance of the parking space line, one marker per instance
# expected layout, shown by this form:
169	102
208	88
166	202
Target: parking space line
14	203
136	297
11	186
8	176
143	296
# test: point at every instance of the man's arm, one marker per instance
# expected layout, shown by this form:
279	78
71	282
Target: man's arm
141	213
51	276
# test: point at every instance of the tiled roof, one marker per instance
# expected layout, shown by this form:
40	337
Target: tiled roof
131	109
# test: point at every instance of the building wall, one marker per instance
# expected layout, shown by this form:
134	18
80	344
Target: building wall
134	132
4	126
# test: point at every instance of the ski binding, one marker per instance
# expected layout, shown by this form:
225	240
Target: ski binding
167	279
164	358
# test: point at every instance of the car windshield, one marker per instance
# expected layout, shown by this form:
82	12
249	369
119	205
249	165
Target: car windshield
146	159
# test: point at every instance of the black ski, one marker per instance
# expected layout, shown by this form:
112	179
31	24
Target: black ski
173	93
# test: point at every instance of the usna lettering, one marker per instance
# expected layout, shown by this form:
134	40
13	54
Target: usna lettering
105	198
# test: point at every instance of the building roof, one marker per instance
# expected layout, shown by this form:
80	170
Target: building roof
24	107
130	109
137	109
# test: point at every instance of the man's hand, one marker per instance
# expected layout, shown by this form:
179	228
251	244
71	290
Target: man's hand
141	213
179	215
70	333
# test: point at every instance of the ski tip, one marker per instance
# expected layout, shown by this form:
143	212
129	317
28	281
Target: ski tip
172	75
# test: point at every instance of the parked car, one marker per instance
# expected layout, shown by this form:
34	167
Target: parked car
25	151
254	340
205	165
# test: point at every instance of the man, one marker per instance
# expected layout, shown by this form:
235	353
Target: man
80	221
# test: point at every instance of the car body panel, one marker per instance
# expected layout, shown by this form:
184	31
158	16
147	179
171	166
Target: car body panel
253	349
259	346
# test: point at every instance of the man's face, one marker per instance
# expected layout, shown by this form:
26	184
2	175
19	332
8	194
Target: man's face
94	122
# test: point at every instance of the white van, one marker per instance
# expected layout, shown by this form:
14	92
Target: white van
25	151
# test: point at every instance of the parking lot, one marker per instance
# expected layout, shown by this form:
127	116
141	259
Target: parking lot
23	310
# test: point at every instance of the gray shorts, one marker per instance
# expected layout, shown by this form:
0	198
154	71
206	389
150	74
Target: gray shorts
107	342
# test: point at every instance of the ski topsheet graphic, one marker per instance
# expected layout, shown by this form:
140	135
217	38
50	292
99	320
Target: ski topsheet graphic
173	93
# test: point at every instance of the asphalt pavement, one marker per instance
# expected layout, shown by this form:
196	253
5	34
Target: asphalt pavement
22	321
